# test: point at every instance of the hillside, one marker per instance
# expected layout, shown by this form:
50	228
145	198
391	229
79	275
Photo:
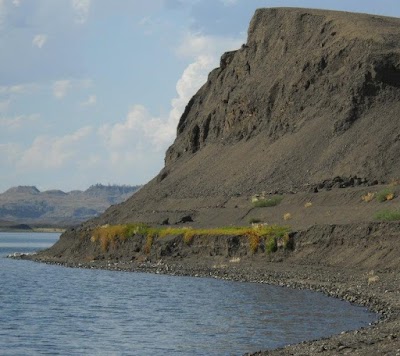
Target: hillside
311	96
27	205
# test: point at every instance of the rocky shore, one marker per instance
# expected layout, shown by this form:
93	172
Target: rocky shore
378	288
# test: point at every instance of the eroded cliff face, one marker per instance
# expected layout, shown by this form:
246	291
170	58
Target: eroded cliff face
312	95
296	67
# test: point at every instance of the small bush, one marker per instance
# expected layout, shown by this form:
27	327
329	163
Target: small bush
254	241
308	204
388	215
188	236
368	197
287	216
271	244
254	221
384	195
109	235
149	243
268	202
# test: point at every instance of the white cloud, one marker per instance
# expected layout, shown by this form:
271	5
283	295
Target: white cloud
39	40
3	13
91	100
16	3
142	131
196	44
9	152
60	88
18	122
18	89
138	140
53	152
229	2
81	8
206	51
138	130
4	104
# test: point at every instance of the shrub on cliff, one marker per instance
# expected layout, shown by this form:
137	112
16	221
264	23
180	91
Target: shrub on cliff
267	202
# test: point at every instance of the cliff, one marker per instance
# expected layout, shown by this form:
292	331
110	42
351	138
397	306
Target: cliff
312	95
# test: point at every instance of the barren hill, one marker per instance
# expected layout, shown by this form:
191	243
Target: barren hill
312	95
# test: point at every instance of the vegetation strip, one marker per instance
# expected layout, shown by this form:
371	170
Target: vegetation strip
273	236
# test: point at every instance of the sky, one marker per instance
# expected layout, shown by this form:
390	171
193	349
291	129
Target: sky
91	91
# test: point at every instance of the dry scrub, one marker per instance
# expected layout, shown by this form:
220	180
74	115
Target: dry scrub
272	236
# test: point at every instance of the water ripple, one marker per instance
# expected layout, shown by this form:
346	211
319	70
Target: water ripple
54	310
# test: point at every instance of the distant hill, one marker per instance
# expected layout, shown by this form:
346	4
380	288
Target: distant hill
28	205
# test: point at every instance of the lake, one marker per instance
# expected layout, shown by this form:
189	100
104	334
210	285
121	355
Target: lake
53	310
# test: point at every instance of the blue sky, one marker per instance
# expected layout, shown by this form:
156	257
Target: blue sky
91	90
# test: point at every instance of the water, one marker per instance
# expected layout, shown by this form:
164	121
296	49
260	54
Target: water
52	310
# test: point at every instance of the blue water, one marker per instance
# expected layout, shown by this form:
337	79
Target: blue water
53	310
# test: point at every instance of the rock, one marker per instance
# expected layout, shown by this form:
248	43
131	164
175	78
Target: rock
185	219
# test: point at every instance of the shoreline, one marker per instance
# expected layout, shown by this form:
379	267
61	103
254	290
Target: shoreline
380	296
33	230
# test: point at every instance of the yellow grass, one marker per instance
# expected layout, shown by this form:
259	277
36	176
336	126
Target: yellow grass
390	196
112	235
308	204
368	197
287	216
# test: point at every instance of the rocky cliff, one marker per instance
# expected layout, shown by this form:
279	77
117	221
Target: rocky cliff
311	95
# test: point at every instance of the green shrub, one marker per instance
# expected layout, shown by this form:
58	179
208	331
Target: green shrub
271	244
268	202
385	194
254	221
388	215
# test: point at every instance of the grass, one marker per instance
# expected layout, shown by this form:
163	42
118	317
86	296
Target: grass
254	240
267	202
368	197
388	215
113	235
385	194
